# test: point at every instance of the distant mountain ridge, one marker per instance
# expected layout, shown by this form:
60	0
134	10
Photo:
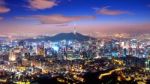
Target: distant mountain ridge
62	36
3	38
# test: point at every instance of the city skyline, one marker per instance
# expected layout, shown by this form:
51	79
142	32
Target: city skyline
37	17
75	41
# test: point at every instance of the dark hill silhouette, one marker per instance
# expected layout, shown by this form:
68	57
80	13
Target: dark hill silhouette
62	36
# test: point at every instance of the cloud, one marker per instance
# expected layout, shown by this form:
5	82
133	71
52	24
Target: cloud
1	18
41	4
3	8
60	19
106	11
56	19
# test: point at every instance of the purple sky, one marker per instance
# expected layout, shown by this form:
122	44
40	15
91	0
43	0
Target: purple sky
36	17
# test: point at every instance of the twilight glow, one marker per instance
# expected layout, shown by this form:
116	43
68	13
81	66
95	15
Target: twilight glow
38	17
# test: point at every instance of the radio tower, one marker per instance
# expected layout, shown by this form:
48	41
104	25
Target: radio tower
74	29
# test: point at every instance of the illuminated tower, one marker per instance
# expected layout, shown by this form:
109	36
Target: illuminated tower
74	29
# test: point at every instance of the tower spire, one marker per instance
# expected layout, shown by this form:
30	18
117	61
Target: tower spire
74	29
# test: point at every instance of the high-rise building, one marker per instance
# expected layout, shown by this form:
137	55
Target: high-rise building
13	54
147	63
40	50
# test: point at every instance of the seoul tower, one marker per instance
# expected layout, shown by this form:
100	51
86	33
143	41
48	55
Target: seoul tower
74	29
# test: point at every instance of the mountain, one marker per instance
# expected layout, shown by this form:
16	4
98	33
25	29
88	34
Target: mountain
3	39
62	36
